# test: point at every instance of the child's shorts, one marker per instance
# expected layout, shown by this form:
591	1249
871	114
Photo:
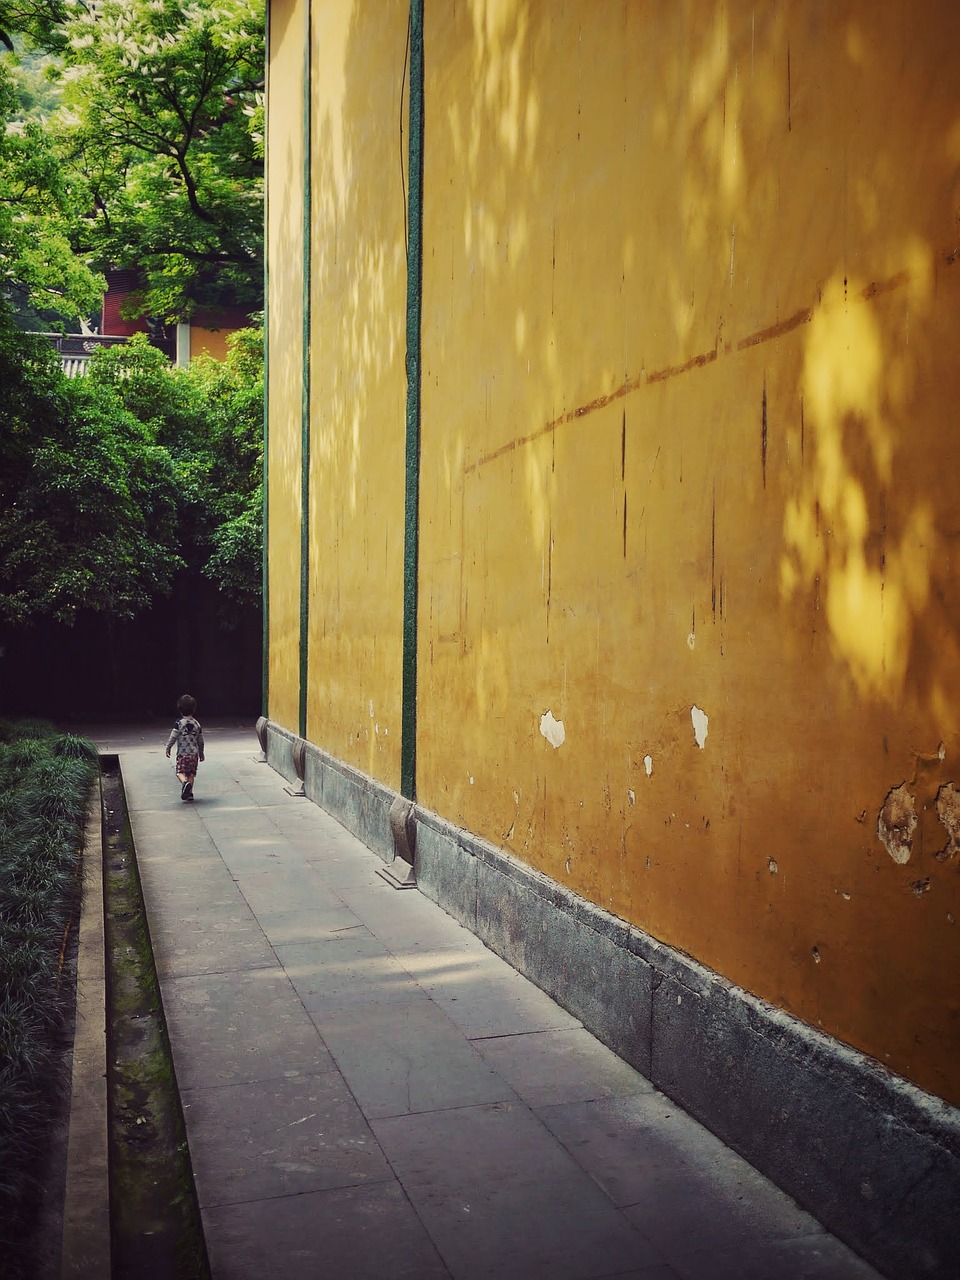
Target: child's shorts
187	765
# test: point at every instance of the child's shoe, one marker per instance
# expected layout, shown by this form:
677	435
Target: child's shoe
186	791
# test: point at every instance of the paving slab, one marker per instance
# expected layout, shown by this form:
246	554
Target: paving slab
550	1067
351	968
357	1233
282	1137
269	889
501	1198
222	940
407	922
817	1257
307	924
209	887
370	1092
408	1057
232	1028
483	995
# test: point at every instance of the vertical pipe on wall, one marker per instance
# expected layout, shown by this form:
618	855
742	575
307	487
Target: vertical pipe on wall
305	381
408	741
265	507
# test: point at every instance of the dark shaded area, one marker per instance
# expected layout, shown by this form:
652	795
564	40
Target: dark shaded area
194	642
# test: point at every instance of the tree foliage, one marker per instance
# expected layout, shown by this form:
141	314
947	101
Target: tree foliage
157	107
112	483
87	494
132	143
209	418
38	262
160	131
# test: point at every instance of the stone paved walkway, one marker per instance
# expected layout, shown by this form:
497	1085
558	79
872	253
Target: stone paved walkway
370	1092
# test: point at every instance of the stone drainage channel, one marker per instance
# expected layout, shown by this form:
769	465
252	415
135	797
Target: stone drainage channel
155	1227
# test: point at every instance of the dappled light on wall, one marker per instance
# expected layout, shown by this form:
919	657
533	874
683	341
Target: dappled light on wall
859	534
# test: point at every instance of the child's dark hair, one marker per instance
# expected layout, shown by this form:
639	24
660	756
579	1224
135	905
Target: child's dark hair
186	705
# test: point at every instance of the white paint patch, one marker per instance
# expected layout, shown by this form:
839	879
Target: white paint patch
552	729
371	708
692	640
648	765
700	721
471	779
631	797
376	729
772	866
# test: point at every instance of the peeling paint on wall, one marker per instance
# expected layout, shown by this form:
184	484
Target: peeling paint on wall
552	729
896	824
648	765
948	810
700	722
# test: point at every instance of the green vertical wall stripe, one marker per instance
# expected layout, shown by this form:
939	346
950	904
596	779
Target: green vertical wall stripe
411	541
305	396
265	695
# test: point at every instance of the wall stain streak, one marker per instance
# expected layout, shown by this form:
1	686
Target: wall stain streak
789	94
885	286
601	402
801	317
763	434
672	371
713	554
776	330
623	476
802	428
549	575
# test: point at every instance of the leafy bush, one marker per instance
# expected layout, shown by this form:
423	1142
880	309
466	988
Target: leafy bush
18	730
45	782
209	418
88	496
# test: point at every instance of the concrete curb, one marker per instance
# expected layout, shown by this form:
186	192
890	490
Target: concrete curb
86	1213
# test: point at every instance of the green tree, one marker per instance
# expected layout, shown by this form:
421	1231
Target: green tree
38	263
88	497
159	126
209	417
233	393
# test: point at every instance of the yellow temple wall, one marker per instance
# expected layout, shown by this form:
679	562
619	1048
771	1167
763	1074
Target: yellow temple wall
689	464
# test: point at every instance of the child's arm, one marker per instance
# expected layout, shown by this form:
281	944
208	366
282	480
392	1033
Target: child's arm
171	740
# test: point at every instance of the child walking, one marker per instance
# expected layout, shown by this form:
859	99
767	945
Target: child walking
187	736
